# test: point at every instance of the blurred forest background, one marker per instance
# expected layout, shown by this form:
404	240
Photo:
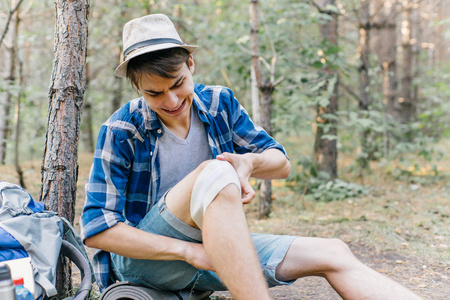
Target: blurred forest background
356	90
365	78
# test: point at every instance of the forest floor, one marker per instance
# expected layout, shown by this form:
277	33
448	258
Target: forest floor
400	228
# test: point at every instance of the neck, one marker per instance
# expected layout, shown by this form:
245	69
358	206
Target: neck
179	128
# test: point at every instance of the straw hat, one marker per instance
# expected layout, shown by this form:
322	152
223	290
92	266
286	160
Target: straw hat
148	34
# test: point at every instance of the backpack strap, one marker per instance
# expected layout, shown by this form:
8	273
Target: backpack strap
71	252
73	248
72	236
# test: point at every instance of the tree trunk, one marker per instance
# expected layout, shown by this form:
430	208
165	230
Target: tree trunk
265	198
17	130
256	115
118	82
117	94
10	80
266	88
68	84
384	45
441	42
15	7
416	29
325	149
407	107
364	79
364	54
17	110
88	131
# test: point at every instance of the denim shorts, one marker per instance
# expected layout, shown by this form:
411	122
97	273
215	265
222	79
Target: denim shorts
177	275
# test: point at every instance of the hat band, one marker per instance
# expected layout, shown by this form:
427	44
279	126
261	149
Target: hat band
150	43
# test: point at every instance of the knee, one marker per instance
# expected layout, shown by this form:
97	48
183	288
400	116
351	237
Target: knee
214	177
216	173
339	254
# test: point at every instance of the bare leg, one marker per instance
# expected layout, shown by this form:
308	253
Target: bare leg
225	237
332	259
228	244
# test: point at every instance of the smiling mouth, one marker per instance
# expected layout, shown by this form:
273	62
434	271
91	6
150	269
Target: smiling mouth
176	110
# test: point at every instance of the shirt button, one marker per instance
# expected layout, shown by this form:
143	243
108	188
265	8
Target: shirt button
159	131
151	153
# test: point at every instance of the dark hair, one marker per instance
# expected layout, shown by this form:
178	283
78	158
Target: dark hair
161	63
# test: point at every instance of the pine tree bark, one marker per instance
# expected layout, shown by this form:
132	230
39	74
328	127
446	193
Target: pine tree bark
325	150
68	83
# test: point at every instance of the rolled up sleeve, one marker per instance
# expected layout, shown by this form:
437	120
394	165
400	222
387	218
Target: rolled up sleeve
106	185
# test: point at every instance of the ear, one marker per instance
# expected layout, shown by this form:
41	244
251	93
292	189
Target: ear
191	64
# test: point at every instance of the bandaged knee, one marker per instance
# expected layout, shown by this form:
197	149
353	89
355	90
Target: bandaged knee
212	179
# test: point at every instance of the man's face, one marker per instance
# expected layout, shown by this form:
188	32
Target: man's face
170	98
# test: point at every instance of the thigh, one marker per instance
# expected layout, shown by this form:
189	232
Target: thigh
271	250
310	256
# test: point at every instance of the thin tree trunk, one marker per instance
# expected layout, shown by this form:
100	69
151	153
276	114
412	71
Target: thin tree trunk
10	80
442	45
17	132
384	44
416	47
87	135
266	87
117	94
325	150
407	107
265	198
364	80
88	131
256	115
68	84
15	7
17	111
118	82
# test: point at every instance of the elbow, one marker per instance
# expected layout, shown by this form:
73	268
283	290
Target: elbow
93	242
90	242
286	170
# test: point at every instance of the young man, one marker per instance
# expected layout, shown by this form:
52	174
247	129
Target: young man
164	200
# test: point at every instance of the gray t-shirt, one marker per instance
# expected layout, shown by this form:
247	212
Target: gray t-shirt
178	157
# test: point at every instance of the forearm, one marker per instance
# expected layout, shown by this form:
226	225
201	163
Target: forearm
131	242
270	164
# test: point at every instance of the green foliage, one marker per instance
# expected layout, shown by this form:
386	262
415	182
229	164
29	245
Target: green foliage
434	107
416	175
319	186
289	37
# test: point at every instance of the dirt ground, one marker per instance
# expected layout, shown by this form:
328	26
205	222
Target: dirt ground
401	228
428	279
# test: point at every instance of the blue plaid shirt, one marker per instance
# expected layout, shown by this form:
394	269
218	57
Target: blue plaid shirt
125	175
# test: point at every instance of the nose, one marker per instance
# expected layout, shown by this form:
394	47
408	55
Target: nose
171	100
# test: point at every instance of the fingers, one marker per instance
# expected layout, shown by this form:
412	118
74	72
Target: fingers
248	193
225	157
197	257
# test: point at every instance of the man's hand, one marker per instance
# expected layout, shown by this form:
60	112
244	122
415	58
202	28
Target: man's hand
244	169
195	255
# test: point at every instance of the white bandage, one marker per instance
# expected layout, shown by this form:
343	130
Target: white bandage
212	179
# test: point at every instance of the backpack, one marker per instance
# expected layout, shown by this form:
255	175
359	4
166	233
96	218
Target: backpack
28	230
